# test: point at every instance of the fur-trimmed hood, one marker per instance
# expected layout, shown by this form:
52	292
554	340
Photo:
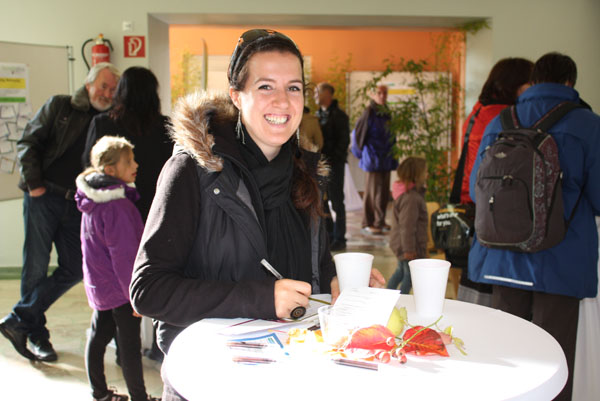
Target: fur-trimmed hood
200	116
94	188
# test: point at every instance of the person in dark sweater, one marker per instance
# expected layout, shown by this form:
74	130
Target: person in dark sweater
240	189
50	152
136	116
336	138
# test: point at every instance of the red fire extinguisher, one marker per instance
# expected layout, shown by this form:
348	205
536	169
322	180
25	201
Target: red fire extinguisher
100	51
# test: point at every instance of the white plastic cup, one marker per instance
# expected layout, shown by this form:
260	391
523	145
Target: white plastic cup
429	279
353	269
331	328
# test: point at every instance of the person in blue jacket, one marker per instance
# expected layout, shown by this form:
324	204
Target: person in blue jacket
546	286
372	145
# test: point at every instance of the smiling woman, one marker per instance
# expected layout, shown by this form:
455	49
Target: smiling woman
272	102
241	189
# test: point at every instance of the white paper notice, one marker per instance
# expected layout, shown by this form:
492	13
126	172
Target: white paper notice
7	165
22	122
25	109
6	146
363	307
7	112
14	133
3	129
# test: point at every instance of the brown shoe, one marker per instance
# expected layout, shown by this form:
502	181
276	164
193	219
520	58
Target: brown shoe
372	230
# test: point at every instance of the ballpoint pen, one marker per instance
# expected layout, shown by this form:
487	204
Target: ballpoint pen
298	311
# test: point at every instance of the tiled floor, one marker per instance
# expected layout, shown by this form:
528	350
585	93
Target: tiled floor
68	320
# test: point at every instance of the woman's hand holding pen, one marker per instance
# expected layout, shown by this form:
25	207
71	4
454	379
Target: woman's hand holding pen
290	294
376	280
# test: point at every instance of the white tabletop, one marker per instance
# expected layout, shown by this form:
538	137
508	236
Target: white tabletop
508	359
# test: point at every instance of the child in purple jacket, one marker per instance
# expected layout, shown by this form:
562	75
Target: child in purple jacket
111	229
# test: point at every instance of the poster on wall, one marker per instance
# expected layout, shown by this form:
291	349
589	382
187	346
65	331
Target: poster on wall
15	111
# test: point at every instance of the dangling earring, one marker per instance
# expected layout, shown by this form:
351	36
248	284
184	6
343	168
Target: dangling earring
239	129
298	154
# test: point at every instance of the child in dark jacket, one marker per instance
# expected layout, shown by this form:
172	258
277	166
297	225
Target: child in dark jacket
408	237
111	230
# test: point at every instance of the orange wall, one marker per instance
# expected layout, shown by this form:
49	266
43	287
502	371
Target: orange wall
368	47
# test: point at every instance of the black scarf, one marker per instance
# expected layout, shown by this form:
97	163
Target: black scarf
288	236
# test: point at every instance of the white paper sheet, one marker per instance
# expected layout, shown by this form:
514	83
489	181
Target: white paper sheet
363	307
7	112
6	146
25	109
22	122
14	133
7	165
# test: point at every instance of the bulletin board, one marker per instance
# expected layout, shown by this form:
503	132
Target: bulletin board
47	73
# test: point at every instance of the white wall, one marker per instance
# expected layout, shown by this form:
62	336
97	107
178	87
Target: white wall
527	28
520	28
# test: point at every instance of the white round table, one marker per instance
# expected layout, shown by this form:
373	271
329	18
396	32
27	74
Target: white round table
508	359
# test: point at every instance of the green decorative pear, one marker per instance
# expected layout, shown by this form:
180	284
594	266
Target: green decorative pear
398	320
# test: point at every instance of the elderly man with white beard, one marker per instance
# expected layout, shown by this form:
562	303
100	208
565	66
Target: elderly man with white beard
50	153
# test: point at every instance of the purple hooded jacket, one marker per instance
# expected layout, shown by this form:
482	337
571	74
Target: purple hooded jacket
111	230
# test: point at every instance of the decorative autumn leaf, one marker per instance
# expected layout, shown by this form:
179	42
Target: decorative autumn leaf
420	340
376	337
458	343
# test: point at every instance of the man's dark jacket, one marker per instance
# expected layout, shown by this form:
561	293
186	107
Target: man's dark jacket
336	133
54	128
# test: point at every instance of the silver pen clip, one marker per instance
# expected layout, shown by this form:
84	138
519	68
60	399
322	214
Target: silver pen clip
270	268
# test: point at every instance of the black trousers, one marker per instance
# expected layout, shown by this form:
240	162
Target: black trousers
125	328
557	314
335	193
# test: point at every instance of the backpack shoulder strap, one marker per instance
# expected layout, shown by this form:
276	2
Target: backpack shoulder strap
460	169
509	119
554	115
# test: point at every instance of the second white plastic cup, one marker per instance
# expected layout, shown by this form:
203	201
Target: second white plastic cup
353	269
429	279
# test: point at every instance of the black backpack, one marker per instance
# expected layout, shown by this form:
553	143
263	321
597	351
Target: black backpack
519	204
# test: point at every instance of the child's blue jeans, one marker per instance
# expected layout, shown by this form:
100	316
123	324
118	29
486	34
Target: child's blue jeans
401	277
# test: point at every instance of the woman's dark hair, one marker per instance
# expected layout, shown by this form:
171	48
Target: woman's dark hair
258	41
504	81
136	102
554	67
306	195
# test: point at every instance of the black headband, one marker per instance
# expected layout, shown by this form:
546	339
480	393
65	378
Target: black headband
249	37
